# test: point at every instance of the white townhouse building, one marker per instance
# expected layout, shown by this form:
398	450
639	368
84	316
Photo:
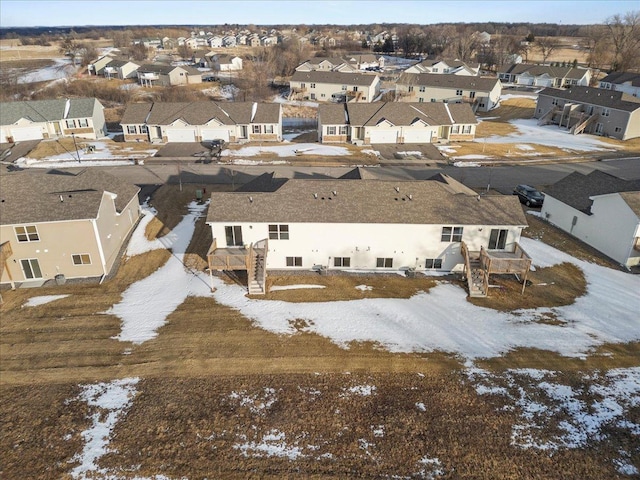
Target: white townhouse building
332	86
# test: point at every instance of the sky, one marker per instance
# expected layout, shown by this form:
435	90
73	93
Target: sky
28	13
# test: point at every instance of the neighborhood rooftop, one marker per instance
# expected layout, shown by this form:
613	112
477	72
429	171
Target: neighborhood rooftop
46	110
448	81
595	96
334	77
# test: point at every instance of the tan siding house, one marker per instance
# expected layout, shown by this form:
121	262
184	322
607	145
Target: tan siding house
167	75
326	86
70	226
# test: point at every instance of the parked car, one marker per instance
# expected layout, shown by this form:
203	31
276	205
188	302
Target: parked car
529	195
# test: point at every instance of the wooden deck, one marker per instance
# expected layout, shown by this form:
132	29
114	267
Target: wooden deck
5	253
252	259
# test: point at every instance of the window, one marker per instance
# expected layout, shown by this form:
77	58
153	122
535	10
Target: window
344	88
451	234
268	129
83	122
302	85
554	101
131	129
384	262
617	129
313	85
455	129
435	70
343	130
322	95
28	233
144	129
420	100
498	239
433	100
459	93
433	263
331	130
472	94
422	89
294	261
411	88
279	232
605	112
70	123
313	96
355	89
342	262
466	129
31	268
599	127
234	236
257	129
81	259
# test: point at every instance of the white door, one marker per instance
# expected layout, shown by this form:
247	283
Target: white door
180	135
383	136
26	133
30	268
215	134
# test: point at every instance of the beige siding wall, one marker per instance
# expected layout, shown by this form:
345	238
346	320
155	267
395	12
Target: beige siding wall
113	227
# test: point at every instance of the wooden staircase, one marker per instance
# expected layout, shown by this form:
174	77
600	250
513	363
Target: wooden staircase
477	277
581	125
547	117
257	271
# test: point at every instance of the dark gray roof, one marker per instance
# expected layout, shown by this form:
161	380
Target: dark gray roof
397	113
119	63
166	69
241	112
620	78
537	70
595	96
267	182
337	78
430	202
46	110
136	113
576	188
485	84
34	196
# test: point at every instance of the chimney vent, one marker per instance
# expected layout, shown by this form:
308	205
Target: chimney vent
398	189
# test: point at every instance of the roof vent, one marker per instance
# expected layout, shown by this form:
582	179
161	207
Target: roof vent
250	199
315	195
398	189
410	197
61	199
335	193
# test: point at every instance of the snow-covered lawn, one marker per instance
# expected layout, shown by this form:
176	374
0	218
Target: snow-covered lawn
290	150
42	300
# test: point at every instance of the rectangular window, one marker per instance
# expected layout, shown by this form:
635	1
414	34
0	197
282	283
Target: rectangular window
355	89
384	262
131	129
466	129
422	89
455	129
498	239
331	130
31	268
234	236
83	122
313	96
617	129
554	101
313	85
433	263
451	234
411	88
459	93
599	127
70	123
257	129
344	88
420	100
144	129
303	85
294	261
268	129
81	259
435	70
342	262
343	130
472	94
433	100
279	232
28	233
605	112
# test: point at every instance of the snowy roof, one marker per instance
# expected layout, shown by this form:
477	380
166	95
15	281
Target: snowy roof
595	96
46	110
55	195
438	201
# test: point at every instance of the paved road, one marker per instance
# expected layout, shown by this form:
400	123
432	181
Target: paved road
501	178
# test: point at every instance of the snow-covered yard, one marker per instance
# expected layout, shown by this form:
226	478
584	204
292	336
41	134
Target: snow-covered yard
289	150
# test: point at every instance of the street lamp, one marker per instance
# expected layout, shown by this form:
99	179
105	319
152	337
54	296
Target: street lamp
73	135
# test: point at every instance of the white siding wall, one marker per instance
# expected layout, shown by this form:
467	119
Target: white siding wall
408	245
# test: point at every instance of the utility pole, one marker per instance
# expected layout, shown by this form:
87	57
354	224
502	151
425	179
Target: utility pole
73	135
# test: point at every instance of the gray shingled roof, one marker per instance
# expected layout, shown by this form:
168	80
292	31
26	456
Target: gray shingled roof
136	113
576	188
34	196
429	202
338	78
623	77
537	70
484	84
46	110
240	112
332	113
166	69
595	96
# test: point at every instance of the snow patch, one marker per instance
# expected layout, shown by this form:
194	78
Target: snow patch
42	300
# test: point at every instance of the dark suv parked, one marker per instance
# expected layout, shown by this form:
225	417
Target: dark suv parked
529	195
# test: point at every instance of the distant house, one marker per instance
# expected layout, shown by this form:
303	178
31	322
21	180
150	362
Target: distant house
544	75
121	69
365	61
215	41
601	210
39	119
152	75
482	93
225	63
345	224
73	225
394	122
201	121
334	86
590	110
626	82
327	64
445	66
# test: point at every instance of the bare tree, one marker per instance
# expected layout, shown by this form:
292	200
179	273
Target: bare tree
596	42
546	46
624	32
184	51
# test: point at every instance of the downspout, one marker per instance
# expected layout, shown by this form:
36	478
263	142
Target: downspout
100	250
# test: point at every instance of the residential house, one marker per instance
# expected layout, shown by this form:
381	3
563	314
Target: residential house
229	41
327	64
202	121
344	224
58	225
225	63
192	43
97	66
334	86
627	82
590	110
269	40
152	75
215	41
445	66
169	43
599	209
200	58
121	69
482	93
544	75
241	39
395	122
41	119
254	40
365	61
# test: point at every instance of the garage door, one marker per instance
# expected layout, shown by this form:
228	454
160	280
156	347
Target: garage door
422	135
26	133
180	135
215	134
383	136
544	82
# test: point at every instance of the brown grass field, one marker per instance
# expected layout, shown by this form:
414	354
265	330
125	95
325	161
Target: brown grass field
187	421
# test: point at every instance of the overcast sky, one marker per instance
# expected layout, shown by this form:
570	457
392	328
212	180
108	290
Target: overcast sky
21	13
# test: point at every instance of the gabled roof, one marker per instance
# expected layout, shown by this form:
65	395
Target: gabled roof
119	63
576	189
166	69
620	78
46	110
538	70
430	202
595	96
450	81
338	78
244	113
81	195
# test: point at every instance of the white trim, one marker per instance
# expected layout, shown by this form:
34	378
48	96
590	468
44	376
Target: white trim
99	243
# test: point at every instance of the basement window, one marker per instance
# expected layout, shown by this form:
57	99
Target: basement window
294	261
342	262
384	262
433	263
81	259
